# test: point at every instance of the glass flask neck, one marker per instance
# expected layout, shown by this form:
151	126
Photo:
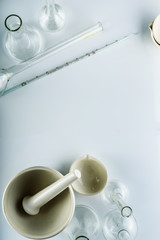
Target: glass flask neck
124	235
126	211
13	23
81	238
50	5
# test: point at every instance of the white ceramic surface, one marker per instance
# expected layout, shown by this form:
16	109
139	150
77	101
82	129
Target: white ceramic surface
93	175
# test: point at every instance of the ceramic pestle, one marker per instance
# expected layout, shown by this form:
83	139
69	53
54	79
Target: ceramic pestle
32	204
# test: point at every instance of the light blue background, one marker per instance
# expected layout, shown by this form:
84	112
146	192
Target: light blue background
106	105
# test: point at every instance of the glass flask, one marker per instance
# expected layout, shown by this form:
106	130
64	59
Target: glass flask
116	194
120	223
21	42
84	224
119	227
52	17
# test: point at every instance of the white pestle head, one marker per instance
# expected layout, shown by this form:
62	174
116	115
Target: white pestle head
27	206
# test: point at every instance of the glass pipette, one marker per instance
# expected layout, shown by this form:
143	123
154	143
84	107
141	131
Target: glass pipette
7	74
66	64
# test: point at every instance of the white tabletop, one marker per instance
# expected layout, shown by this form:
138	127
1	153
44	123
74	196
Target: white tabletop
106	105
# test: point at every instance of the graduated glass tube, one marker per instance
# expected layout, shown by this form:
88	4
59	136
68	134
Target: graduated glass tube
116	193
119	227
22	42
12	86
52	17
84	224
7	74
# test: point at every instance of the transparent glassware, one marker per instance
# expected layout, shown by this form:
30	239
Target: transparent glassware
6	75
119	227
116	194
52	17
84	224
120	223
21	41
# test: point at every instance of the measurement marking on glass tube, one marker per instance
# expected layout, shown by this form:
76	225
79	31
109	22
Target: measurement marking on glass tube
93	52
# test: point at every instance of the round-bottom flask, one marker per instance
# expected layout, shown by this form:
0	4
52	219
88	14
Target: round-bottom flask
116	195
84	224
114	189
21	42
118	227
52	17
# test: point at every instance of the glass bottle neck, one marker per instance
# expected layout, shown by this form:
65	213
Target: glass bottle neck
126	211
50	2
82	238
13	23
124	235
50	5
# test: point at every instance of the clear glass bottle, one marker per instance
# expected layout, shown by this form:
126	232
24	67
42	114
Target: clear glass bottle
52	17
84	224
119	223
119	227
22	42
116	194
